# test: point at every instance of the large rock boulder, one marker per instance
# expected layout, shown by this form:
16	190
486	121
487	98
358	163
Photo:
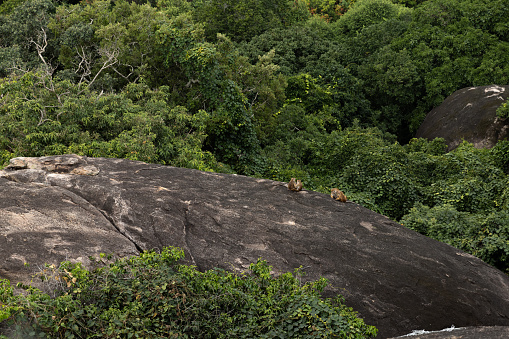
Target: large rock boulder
70	207
468	114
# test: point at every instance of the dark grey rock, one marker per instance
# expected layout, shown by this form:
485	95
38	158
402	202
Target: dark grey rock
397	279
468	114
491	332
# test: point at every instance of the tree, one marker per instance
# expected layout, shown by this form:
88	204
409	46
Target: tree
201	66
8	6
294	48
242	20
329	10
369	12
24	38
137	124
107	46
382	175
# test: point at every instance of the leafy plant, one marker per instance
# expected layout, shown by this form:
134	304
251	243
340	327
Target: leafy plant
484	236
137	124
503	110
151	295
244	19
365	13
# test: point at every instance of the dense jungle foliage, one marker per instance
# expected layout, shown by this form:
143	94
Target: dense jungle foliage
330	92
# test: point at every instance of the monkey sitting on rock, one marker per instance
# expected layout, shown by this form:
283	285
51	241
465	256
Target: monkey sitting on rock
295	186
338	195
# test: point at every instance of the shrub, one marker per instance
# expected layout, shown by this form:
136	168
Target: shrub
503	110
484	236
365	13
152	296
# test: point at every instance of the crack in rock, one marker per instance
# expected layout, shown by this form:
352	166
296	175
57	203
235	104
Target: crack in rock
26	167
185	233
125	234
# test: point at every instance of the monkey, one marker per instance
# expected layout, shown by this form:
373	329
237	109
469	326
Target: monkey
295	186
338	195
298	186
291	184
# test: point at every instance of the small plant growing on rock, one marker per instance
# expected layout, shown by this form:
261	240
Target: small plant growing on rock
503	110
152	296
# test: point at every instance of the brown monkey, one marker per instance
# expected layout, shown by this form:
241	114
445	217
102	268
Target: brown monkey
291	184
294	186
298	186
338	195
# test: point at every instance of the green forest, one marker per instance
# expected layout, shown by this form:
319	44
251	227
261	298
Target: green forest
328	91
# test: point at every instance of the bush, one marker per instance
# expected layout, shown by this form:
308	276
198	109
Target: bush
382	174
152	296
365	13
503	110
484	236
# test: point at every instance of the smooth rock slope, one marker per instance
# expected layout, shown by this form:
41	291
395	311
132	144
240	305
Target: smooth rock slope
70	207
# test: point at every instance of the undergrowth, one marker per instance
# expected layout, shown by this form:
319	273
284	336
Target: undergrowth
153	296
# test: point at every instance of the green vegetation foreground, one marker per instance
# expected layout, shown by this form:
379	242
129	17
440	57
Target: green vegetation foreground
152	296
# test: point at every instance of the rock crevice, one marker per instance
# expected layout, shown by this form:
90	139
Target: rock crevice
36	170
186	228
